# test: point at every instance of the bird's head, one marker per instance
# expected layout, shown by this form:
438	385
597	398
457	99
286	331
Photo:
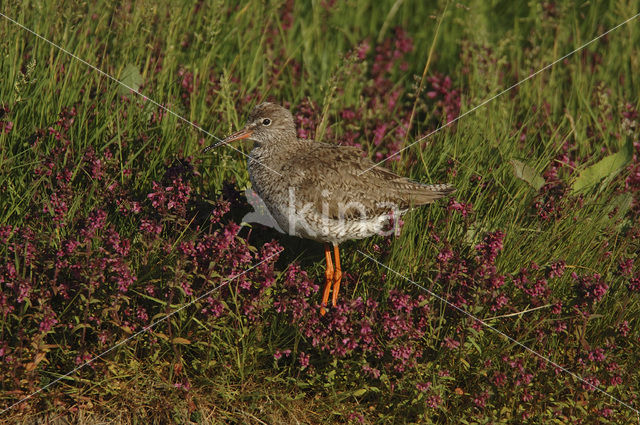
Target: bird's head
267	125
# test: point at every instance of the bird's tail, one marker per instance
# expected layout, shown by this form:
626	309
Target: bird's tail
427	193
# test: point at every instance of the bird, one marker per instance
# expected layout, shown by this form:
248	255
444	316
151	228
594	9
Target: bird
324	192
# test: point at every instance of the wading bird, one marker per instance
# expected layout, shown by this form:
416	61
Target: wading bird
324	192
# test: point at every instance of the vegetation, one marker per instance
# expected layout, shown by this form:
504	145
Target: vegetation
111	217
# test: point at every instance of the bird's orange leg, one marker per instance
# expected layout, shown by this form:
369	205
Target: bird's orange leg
328	279
337	276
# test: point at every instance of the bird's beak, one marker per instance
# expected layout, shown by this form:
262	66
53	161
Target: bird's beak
238	135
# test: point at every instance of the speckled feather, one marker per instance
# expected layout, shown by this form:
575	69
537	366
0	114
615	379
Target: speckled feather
323	181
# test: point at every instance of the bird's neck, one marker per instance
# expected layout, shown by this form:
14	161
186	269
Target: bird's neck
269	152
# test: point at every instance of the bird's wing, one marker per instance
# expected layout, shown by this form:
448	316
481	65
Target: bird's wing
331	179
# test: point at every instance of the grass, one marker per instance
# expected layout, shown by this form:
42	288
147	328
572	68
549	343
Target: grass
111	217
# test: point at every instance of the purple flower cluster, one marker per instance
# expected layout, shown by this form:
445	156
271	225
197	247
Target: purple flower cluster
381	119
79	273
356	327
307	118
187	85
91	274
5	125
465	209
473	278
172	198
590	287
448	99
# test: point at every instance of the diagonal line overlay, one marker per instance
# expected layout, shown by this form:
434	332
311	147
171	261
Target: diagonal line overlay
145	97
482	322
149	327
501	93
143	330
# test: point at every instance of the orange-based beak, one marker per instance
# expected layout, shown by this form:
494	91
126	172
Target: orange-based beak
238	135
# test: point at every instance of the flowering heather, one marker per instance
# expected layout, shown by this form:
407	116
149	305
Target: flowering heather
58	254
381	119
448	104
463	208
111	218
306	119
5	125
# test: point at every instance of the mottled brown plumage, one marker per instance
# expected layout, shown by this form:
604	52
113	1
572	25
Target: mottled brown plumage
322	191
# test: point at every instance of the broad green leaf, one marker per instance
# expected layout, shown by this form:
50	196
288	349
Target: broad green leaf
607	167
528	174
464	363
360	392
474	344
161	335
131	77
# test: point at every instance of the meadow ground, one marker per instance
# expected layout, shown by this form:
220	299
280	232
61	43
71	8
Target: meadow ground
111	218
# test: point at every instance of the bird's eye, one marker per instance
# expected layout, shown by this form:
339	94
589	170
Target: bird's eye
266	121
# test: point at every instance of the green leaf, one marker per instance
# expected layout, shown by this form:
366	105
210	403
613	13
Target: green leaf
80	326
161	335
471	342
528	174
607	167
131	77
360	392
464	363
